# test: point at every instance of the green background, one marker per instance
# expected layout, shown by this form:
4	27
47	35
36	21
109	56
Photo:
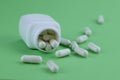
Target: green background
73	16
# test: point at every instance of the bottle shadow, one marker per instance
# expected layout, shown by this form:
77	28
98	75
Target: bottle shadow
20	47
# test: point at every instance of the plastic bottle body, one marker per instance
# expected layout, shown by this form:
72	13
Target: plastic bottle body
31	26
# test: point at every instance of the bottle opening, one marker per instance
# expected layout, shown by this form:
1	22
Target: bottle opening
48	40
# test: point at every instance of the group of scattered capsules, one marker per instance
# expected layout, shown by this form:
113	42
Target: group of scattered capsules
36	59
72	46
75	47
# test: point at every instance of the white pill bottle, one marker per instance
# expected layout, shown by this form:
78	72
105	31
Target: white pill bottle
33	27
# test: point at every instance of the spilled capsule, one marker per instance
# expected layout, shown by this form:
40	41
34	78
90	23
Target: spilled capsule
31	59
74	45
100	19
87	31
62	52
93	47
65	42
81	52
82	39
52	66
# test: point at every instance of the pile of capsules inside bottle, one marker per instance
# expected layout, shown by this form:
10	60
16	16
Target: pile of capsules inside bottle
47	40
71	46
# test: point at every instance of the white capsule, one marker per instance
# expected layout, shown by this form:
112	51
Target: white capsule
52	66
46	37
88	31
93	47
31	59
74	45
81	52
100	19
62	52
42	44
54	43
65	42
82	39
48	47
